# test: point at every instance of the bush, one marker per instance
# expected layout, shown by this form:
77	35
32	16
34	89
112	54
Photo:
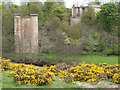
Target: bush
101	46
33	75
108	51
4	64
114	48
82	72
89	17
116	78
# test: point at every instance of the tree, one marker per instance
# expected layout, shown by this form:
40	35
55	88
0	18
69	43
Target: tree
89	17
7	29
13	8
58	11
36	8
23	9
108	17
97	2
32	8
47	9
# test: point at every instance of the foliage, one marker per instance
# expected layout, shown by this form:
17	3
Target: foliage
108	16
115	48
74	32
96	2
89	16
33	75
82	72
112	50
32	8
58	11
13	8
4	64
47	8
116	78
7	29
101	46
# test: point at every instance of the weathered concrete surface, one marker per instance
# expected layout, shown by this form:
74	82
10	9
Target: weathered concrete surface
26	33
74	21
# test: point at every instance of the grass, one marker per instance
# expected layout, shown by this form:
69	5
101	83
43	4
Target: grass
90	59
7	82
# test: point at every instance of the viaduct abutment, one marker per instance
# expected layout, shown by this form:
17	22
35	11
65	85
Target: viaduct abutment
26	33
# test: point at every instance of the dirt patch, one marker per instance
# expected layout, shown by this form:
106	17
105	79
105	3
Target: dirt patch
101	84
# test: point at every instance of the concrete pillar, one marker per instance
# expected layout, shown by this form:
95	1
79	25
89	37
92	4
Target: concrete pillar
81	12
76	12
26	34
34	33
73	11
17	32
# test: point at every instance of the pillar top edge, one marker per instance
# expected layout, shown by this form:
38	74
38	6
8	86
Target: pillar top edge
33	14
17	14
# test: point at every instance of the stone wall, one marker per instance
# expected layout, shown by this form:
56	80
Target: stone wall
26	33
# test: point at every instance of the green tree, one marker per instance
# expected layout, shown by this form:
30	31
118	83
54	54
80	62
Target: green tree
58	10
23	9
89	17
13	8
97	2
32	8
36	8
47	9
108	17
7	29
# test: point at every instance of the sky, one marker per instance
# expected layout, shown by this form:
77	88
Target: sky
68	3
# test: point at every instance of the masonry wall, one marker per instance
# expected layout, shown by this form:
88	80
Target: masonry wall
26	33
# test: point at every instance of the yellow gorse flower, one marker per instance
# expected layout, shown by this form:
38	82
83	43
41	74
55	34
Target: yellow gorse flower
82	72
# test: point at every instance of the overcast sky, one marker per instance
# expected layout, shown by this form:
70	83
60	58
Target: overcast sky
68	3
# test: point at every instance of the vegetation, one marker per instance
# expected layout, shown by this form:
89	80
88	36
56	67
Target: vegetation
101	32
109	16
89	17
28	75
94	40
7	81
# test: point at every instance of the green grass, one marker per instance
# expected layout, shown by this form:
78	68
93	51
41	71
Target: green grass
90	59
7	82
96	59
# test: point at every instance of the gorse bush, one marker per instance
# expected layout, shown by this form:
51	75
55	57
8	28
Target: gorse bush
4	64
33	75
22	73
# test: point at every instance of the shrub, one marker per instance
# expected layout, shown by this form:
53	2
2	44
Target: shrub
116	78
33	75
114	48
5	64
82	72
101	46
89	17
108	51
